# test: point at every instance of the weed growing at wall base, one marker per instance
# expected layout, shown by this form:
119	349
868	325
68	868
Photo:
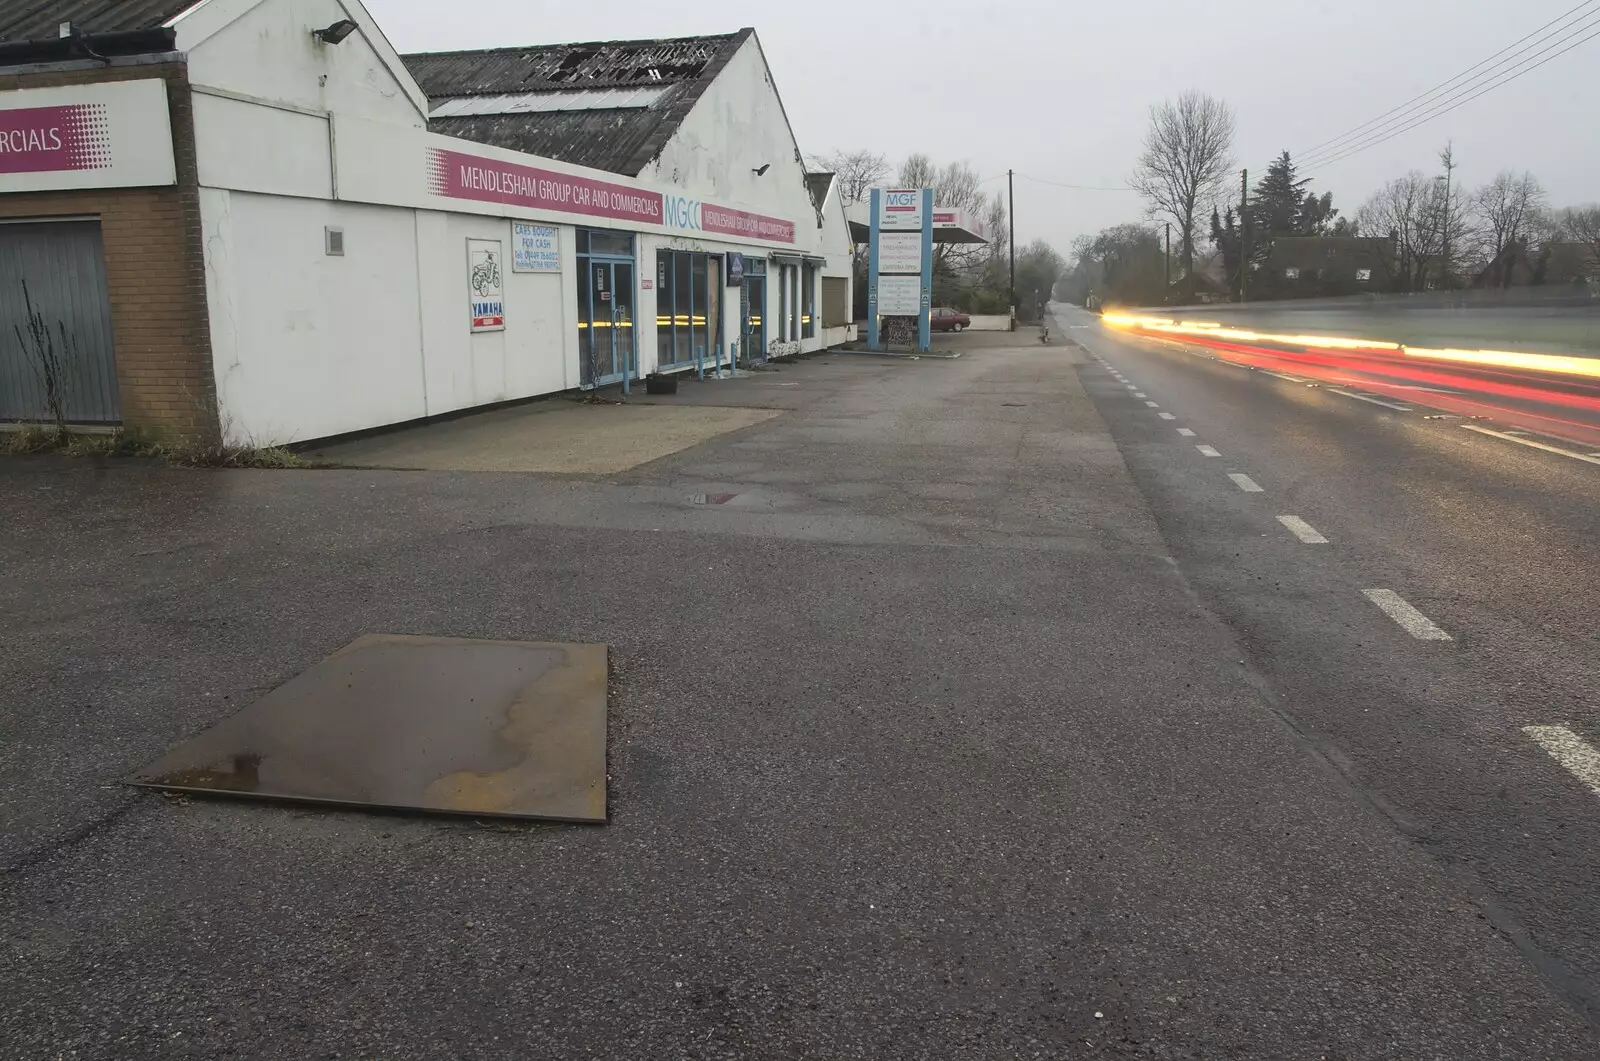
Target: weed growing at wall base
36	439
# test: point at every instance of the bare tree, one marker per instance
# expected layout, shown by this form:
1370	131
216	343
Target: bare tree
1581	224
855	171
1188	151
1401	211
1512	212
918	171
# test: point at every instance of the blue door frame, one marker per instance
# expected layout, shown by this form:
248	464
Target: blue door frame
754	339
608	322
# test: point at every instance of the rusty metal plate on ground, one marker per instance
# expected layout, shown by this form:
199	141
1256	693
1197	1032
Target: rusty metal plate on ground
511	728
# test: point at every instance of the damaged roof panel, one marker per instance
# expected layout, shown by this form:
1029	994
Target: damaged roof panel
599	64
604	99
611	105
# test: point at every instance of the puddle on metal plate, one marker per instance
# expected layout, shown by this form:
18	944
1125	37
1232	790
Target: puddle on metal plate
508	728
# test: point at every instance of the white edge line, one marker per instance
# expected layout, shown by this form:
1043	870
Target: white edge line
1571	751
1410	619
1536	445
1280	375
1245	483
1374	401
1303	530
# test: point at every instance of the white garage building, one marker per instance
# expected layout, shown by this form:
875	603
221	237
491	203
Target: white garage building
346	238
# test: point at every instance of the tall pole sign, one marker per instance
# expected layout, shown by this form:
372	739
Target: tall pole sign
900	270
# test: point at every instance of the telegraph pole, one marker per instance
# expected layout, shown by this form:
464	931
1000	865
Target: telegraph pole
1244	234
1011	238
1448	158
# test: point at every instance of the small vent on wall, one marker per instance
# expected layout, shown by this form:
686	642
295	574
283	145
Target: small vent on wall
333	240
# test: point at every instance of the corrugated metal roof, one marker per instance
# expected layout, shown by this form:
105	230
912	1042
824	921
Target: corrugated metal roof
584	138
596	64
605	99
593	110
39	20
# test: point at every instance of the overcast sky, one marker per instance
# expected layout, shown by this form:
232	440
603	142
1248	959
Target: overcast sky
1061	91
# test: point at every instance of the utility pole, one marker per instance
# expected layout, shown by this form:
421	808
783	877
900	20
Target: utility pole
1011	238
1448	159
1244	234
1167	263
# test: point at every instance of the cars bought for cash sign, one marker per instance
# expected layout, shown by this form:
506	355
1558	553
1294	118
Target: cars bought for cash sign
485	295
115	134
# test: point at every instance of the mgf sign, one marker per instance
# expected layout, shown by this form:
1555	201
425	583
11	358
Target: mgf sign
901	210
115	134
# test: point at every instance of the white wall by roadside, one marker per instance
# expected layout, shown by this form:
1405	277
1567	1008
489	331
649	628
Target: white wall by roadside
293	137
991	323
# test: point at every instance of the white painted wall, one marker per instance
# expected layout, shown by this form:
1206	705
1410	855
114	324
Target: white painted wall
305	344
737	126
308	345
264	49
533	355
262	149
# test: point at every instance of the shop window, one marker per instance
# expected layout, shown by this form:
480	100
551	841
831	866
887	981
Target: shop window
601	242
808	301
686	306
699	306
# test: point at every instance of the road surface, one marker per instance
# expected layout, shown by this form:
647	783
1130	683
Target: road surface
985	717
1572	327
1419	593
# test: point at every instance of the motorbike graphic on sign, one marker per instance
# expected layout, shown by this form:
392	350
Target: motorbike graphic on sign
485	295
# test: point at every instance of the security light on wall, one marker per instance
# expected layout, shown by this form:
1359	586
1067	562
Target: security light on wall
761	172
335	33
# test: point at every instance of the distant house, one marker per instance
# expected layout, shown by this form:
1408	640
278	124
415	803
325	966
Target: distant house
1307	266
1551	264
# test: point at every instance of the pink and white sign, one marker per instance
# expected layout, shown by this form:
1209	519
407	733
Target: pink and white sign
36	139
721	220
458	175
110	135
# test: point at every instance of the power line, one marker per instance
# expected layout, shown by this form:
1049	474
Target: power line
1075	187
1472	71
1425	118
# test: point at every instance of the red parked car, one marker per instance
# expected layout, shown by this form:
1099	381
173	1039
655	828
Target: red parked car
948	320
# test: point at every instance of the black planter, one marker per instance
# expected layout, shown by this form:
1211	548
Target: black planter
656	383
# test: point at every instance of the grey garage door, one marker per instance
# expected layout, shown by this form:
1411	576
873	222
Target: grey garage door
55	324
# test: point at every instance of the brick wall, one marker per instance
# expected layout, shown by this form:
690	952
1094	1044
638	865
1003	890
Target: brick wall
155	267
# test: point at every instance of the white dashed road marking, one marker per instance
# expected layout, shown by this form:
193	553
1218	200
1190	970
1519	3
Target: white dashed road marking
1152	405
1185	432
1208	451
1245	483
1166	416
1280	375
1589	458
1571	751
1375	401
1140	394
1131	386
1303	530
1412	621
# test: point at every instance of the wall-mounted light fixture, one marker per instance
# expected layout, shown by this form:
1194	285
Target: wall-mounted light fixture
335	33
763	170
